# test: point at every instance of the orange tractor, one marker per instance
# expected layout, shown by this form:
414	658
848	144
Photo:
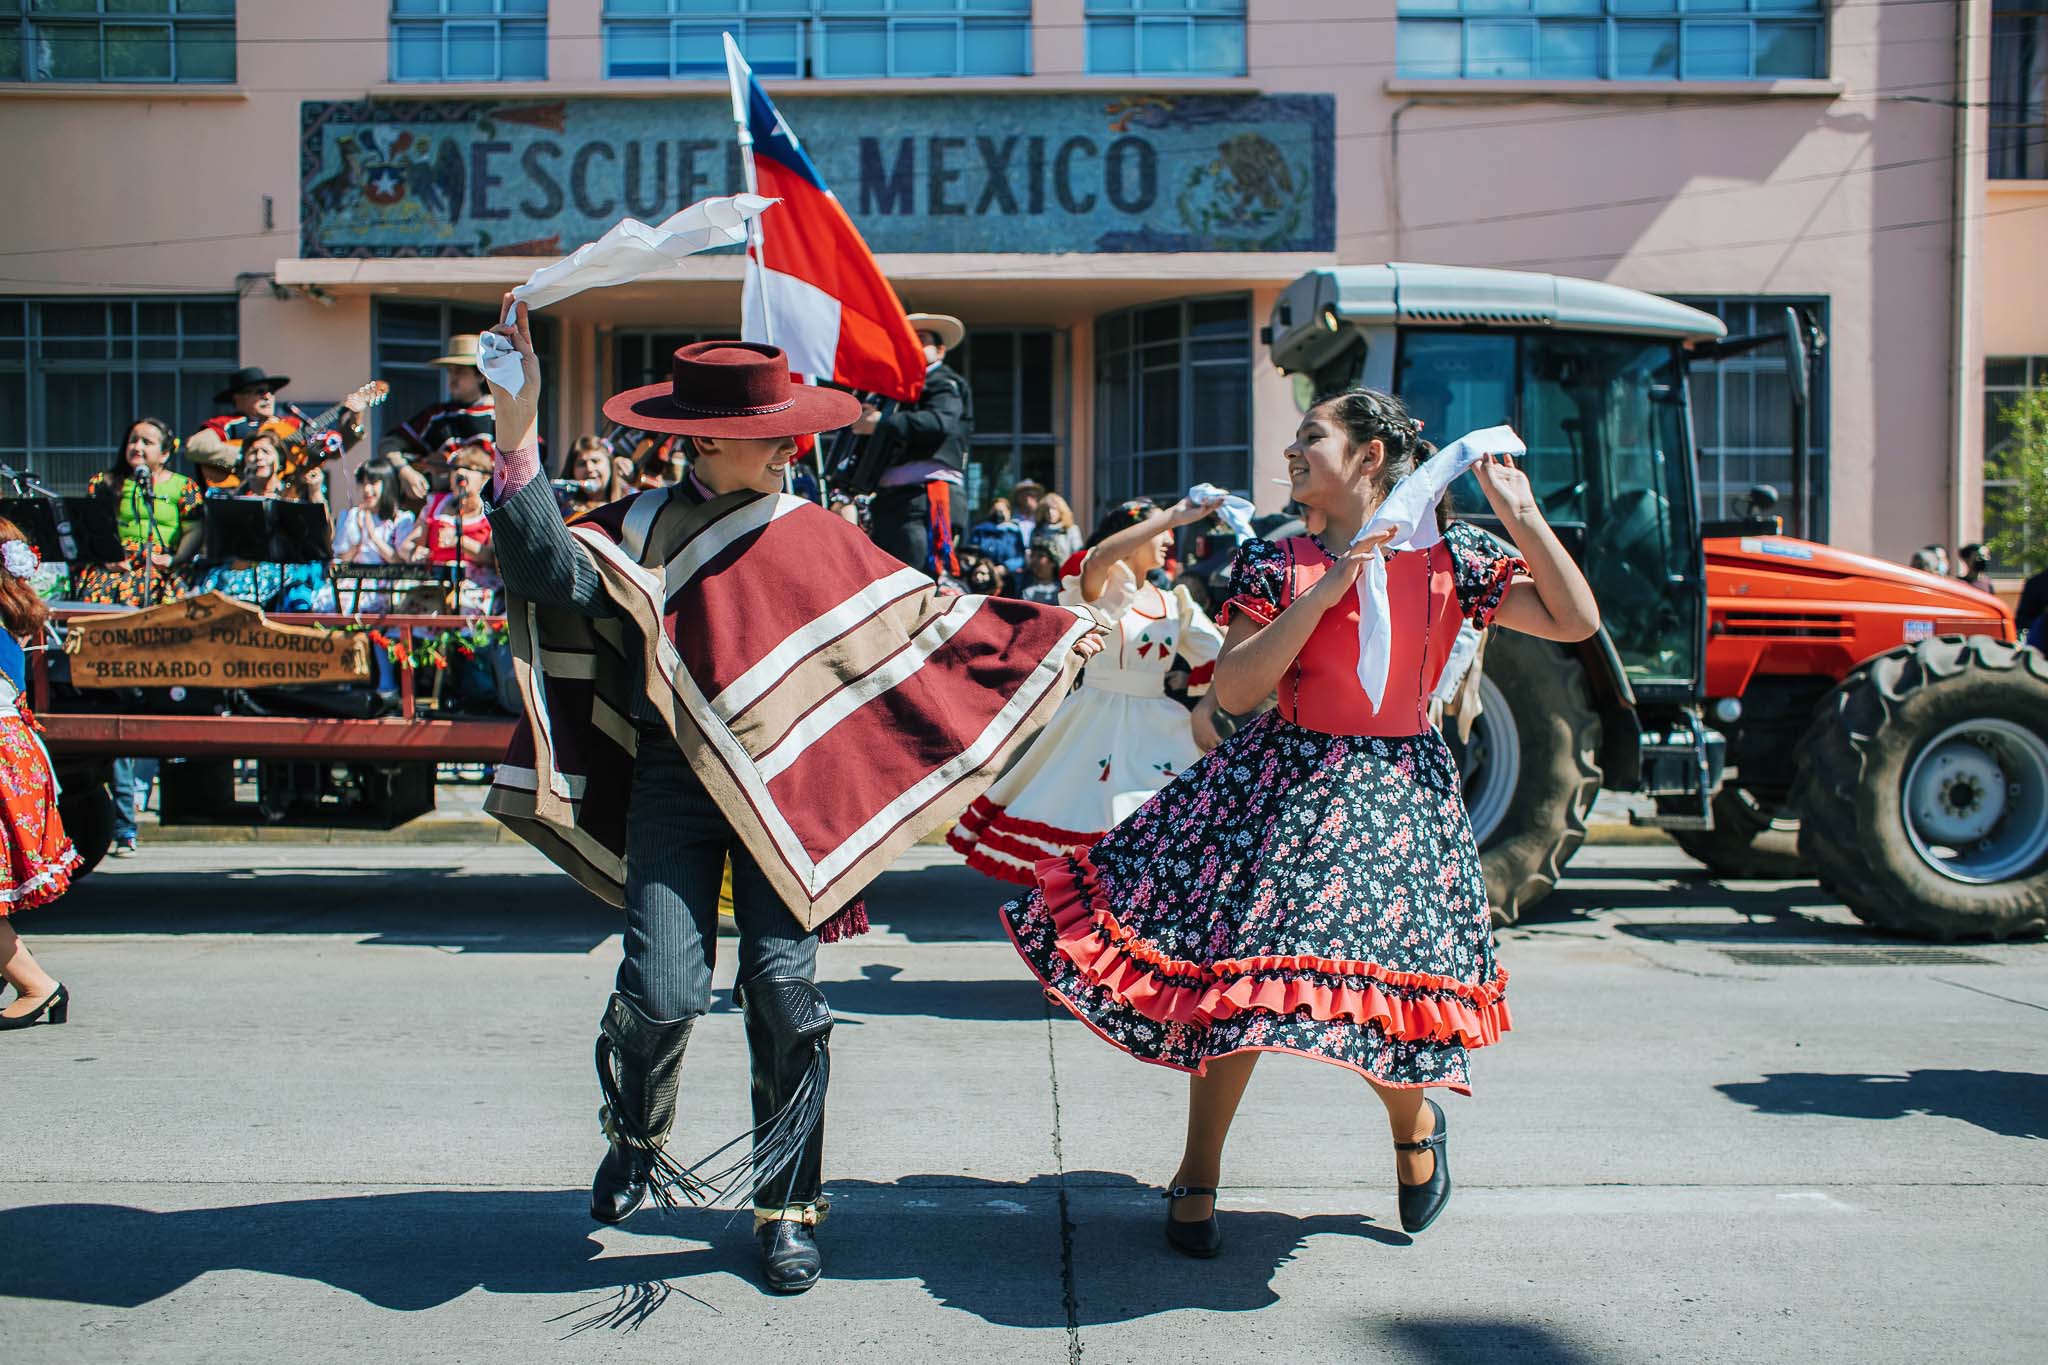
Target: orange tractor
1789	708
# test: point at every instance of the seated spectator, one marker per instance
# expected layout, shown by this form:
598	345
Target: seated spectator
1000	538
372	529
1042	573
453	530
1056	526
1930	559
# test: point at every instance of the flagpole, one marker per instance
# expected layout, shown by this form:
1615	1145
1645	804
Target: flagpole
736	69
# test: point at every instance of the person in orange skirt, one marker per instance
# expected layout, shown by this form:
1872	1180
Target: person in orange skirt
36	860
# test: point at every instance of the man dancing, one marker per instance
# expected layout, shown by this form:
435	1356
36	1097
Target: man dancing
719	670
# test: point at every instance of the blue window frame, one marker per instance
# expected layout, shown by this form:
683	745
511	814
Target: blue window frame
183	41
1166	37
1173	399
1625	40
2019	90
73	370
469	40
679	39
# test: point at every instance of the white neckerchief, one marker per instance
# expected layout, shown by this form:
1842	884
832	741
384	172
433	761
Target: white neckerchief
1410	511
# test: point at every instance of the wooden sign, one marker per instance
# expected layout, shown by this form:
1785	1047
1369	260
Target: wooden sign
209	641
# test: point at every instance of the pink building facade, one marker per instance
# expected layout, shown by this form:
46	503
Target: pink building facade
1110	194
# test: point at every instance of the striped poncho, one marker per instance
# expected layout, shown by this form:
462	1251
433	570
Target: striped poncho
835	705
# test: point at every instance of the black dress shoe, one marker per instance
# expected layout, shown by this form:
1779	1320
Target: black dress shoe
54	1010
1201	1238
1420	1204
620	1186
790	1262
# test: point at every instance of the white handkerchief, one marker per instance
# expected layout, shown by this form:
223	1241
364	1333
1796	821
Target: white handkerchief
629	251
1410	510
1236	512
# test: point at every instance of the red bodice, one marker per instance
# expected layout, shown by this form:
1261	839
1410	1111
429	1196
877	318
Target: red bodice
1320	690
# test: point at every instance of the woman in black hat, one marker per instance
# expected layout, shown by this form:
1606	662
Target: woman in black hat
665	733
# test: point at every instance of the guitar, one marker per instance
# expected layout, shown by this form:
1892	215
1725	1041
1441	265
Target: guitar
301	447
217	459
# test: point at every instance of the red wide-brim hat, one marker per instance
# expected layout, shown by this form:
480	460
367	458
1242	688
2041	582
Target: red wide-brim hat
732	388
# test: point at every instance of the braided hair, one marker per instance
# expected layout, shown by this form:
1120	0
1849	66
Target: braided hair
1121	517
1369	415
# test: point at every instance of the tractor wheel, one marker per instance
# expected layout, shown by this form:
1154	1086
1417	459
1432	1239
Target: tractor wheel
1529	769
1922	792
88	815
1749	840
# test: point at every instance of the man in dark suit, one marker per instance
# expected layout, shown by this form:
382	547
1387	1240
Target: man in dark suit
929	441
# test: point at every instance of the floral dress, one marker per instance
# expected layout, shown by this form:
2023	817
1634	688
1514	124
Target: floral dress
36	860
134	582
1312	884
1118	739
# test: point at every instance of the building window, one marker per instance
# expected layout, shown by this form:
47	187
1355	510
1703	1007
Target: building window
1166	37
1621	40
1742	417
2019	90
1173	399
74	372
117	40
2006	377
1014	375
679	39
405	338
469	40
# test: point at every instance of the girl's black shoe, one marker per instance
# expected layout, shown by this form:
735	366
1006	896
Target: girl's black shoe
1420	1204
54	1010
1202	1238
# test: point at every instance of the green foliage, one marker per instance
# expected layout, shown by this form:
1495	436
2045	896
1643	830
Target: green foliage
2016	515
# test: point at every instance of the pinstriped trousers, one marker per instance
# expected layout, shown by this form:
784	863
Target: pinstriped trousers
677	841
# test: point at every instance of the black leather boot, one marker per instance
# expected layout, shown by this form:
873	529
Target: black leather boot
637	1062
788	1028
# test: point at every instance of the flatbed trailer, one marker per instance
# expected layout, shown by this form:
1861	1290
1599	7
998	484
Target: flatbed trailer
380	767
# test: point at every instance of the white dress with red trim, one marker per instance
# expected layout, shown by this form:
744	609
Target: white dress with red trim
1113	744
1311	885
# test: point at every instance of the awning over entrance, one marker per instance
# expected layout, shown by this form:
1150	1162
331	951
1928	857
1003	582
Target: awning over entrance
1018	288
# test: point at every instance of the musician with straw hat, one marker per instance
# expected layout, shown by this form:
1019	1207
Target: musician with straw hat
467	413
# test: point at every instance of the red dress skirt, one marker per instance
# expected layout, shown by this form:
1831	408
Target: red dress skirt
36	859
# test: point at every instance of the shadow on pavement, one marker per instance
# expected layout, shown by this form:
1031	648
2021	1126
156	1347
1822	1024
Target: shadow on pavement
418	1250
2009	1103
1459	1340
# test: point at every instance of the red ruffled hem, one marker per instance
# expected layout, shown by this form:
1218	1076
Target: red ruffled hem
1109	956
45	886
985	828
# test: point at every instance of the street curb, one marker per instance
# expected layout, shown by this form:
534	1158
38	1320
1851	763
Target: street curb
463	830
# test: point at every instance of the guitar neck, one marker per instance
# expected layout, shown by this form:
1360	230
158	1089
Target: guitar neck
315	426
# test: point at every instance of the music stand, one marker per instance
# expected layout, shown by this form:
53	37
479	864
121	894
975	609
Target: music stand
236	528
93	530
299	533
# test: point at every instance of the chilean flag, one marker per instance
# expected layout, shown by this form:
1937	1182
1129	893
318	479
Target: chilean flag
812	286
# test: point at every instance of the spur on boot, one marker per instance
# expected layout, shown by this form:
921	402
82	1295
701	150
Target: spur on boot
54	1010
1200	1238
1420	1204
638	1058
790	1262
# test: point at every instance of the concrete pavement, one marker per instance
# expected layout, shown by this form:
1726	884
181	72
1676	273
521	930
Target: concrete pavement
326	1102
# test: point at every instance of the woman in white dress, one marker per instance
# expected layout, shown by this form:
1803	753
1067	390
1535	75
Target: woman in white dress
1119	738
